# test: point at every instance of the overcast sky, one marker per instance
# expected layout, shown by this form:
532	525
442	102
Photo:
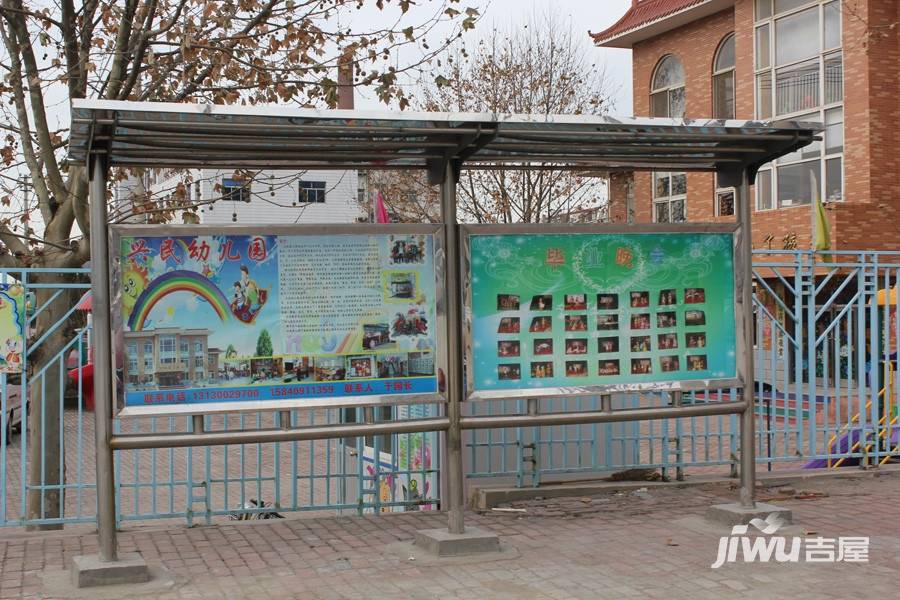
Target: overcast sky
586	15
582	15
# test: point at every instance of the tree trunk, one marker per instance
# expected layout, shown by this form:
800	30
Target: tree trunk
46	395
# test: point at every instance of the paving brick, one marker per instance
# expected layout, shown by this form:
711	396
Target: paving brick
619	550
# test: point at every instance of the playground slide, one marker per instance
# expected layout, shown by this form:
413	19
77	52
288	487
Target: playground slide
843	445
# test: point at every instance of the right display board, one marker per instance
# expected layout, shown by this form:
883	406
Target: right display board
549	312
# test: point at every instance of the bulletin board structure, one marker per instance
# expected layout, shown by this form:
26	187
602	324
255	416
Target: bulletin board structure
107	134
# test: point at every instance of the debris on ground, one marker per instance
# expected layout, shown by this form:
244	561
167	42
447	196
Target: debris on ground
642	493
636	475
810	495
644	499
787	493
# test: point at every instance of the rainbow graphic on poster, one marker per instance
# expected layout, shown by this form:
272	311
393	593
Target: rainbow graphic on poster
178	281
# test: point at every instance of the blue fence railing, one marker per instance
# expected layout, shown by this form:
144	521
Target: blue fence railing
826	392
826	387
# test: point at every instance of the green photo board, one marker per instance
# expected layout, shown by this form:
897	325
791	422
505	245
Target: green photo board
624	310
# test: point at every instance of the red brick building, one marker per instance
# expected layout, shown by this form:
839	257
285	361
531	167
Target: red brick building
836	62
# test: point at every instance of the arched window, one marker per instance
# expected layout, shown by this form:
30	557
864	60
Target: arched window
723	80
667	89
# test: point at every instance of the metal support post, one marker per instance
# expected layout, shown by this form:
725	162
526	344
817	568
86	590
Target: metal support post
678	402
746	508
606	403
456	540
103	374
456	492
747	428
533	408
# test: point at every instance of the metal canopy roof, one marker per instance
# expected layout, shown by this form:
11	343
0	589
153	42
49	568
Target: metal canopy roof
151	134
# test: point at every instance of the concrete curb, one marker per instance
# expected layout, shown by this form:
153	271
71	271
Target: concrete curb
485	498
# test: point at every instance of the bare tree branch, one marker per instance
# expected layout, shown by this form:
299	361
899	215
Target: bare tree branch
37	105
28	151
120	51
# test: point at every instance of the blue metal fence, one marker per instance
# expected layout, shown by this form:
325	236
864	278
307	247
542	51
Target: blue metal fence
826	388
387	473
826	365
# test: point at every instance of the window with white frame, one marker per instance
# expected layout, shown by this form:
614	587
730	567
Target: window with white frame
724	202
667	89
311	191
667	100
800	76
166	349
148	357
669	197
235	190
723	79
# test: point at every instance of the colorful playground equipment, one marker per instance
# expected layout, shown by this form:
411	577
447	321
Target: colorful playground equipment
885	435
82	367
850	438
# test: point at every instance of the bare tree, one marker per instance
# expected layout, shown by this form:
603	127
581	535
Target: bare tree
880	28
540	68
219	51
407	196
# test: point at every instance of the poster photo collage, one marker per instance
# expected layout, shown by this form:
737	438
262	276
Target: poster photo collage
553	310
604	335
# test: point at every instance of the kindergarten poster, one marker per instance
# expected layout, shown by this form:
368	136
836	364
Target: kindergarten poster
12	327
245	318
559	310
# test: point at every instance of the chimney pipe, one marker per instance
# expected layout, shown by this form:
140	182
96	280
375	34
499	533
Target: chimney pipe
345	90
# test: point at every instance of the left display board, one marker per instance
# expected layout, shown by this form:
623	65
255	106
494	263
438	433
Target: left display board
213	319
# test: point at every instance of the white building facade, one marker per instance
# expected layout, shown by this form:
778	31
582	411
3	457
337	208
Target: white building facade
222	197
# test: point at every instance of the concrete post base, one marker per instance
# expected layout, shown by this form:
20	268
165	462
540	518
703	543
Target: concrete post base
735	514
440	542
89	571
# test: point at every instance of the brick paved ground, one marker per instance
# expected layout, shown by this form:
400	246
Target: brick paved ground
646	545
